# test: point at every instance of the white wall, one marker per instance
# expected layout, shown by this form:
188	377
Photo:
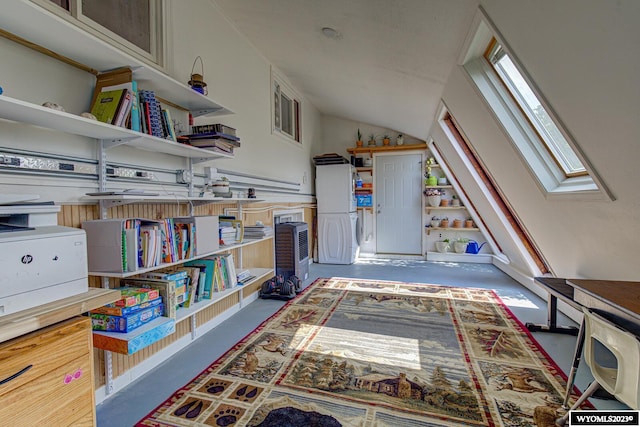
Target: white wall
581	55
238	77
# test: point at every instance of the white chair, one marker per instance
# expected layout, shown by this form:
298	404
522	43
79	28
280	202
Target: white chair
623	381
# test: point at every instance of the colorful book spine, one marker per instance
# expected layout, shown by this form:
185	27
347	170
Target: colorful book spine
135	109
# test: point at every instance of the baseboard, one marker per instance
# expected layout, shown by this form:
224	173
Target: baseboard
455	257
529	283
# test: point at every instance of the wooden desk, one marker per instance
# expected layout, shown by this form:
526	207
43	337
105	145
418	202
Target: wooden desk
618	301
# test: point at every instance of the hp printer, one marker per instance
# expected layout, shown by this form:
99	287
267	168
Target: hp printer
40	262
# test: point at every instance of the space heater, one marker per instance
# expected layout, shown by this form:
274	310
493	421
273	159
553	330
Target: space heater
292	250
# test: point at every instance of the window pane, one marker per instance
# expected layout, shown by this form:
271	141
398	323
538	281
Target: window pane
130	20
276	106
537	114
287	116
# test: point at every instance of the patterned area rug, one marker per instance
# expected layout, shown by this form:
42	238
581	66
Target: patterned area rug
373	353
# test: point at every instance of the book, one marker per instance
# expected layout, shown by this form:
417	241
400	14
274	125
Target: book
218	127
194	276
123	110
169	125
209	271
135	109
107	105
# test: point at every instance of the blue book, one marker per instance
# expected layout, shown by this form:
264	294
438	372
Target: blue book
135	109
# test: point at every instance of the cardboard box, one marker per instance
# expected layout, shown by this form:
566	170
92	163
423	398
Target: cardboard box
364	200
105	322
135	296
113	310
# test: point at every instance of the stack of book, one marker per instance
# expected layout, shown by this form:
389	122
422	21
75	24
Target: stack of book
257	231
215	137
117	101
244	276
219	273
137	307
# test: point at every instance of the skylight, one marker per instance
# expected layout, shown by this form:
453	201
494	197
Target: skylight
537	115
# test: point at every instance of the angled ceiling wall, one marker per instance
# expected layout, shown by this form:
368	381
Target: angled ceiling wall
580	54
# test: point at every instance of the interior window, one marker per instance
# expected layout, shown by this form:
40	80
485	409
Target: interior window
531	106
286	110
134	25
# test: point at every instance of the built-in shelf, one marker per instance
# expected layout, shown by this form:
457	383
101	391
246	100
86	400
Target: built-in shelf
157	329
444	208
257	273
429	229
386	148
223	248
439	186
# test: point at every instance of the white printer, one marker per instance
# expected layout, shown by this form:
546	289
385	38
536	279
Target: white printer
40	262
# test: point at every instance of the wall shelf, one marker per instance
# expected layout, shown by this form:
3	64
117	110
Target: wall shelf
47	30
37	115
429	229
444	208
136	340
223	248
385	148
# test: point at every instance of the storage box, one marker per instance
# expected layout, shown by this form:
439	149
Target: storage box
105	322
113	310
207	236
132	342
364	200
135	296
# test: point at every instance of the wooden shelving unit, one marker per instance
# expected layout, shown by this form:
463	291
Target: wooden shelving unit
385	148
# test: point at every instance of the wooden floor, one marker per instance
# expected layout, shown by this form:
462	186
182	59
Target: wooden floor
132	403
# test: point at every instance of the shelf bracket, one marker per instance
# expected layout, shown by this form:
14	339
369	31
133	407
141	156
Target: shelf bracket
198	160
110	143
207	111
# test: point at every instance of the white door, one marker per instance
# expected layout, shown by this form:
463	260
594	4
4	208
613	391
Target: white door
398	200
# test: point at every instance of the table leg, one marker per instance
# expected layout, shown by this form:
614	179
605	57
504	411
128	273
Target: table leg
552	320
574	367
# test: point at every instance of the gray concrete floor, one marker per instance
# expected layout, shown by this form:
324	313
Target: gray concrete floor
129	405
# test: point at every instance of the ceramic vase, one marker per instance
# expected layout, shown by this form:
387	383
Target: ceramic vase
442	246
434	201
460	247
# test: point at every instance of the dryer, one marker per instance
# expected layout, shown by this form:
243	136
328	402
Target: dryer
339	238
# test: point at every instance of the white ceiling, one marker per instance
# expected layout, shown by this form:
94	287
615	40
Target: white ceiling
389	66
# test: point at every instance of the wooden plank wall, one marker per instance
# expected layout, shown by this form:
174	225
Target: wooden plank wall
256	255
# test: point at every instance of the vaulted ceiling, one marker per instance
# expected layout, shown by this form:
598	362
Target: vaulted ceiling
387	66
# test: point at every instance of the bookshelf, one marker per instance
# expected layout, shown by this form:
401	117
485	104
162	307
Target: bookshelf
40	28
33	114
